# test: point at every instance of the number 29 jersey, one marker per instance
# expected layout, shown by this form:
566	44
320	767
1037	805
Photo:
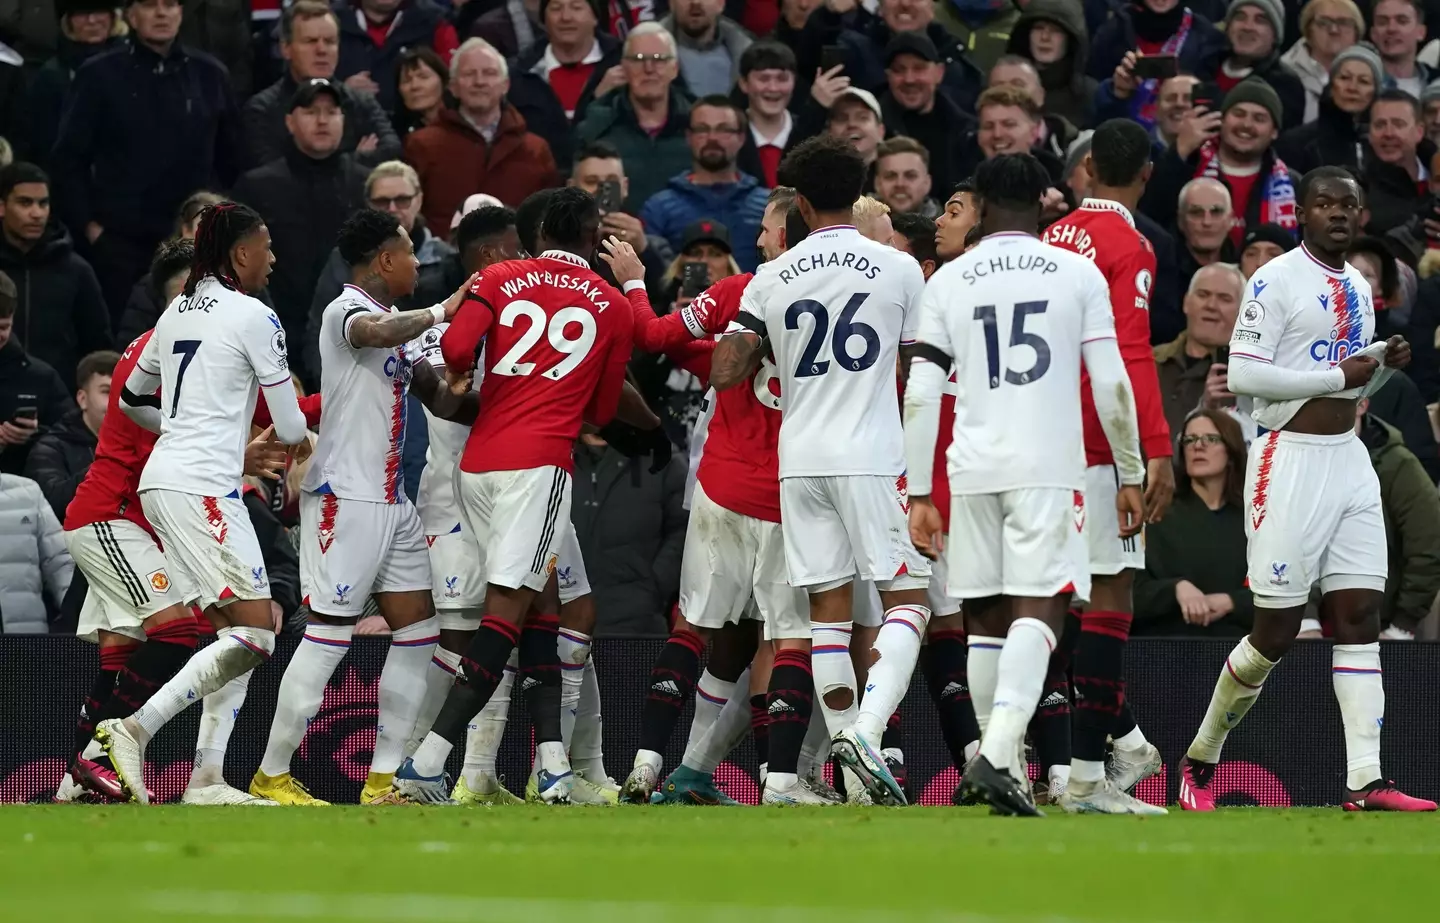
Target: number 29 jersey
837	308
1013	312
556	341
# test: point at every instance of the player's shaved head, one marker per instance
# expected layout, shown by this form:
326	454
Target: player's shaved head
1120	153
365	234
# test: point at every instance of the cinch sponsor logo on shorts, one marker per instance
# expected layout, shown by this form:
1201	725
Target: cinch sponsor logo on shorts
159	580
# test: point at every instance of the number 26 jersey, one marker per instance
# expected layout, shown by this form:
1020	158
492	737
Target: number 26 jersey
556	340
836	308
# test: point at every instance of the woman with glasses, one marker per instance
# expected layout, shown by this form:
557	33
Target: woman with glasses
1194	577
1327	27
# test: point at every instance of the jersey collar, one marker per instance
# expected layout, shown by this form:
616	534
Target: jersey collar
565	256
1321	263
1108	205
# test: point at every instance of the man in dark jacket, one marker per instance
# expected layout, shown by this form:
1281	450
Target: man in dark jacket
61	314
1052	34
1255	30
1336	136
1396	162
631	528
32	396
61	456
1412	525
916	105
373	33
310	44
87	27
1190	368
144	127
304	197
863	38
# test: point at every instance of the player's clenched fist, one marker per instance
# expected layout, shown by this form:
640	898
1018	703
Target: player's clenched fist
927	532
1130	505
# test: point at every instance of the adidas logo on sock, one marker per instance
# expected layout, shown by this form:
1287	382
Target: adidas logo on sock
952	688
1055	698
666	686
780	706
530	683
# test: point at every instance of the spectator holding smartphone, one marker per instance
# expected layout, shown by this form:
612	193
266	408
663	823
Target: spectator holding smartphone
32	396
600	171
1150	27
1192	366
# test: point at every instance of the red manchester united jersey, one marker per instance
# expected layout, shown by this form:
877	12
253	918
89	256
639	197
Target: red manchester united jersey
1105	232
108	490
557	338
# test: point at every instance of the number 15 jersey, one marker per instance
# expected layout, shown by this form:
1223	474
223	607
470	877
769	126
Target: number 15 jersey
836	308
557	338
1013	312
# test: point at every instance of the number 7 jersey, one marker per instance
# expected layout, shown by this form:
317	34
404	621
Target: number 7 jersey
836	308
556	340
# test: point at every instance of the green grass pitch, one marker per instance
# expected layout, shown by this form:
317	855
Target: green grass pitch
710	865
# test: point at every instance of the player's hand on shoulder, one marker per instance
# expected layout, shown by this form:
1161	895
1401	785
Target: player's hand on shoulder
457	298
1159	488
927	531
623	261
1130	505
1359	370
1397	352
459	383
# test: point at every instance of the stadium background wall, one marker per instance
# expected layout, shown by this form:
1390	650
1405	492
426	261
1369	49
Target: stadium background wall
1289	751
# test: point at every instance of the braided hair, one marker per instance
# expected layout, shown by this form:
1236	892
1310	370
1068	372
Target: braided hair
221	226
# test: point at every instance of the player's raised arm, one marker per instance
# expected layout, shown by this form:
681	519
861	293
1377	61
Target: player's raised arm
140	393
739	352
370	328
471	322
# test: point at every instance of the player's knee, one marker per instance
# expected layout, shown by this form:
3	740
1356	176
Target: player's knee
839	699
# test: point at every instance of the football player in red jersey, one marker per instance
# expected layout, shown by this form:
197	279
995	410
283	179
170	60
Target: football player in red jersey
557	339
132	596
1103	229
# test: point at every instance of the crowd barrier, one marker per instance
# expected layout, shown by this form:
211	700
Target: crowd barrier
1288	752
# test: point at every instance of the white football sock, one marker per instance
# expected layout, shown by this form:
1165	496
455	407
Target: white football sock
574	650
1020	678
402	690
725	732
487	729
1237	689
711	696
982	660
1131	741
1355	673
587	747
830	661
815	751
217	720
897	647
439	678
235	651
302	689
551	757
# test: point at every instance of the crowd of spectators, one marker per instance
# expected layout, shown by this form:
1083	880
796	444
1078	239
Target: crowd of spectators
120	122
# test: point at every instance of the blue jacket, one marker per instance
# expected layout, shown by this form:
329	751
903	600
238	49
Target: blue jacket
739	206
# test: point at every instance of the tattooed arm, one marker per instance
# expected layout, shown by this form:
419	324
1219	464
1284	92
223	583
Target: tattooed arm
735	359
370	328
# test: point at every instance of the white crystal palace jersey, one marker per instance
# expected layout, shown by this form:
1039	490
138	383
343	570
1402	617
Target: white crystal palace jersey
1299	314
836	309
212	351
362	408
436	502
1013	313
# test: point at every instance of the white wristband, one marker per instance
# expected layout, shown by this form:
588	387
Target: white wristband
437	311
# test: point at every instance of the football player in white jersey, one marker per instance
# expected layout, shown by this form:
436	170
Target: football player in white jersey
1014	316
359	533
1301	348
210	351
836	309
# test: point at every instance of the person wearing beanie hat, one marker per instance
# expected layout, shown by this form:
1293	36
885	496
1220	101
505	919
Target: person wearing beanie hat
1255	30
1327	27
1430	109
1337	134
1263	244
87	28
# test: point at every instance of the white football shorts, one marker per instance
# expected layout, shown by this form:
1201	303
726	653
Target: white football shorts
836	528
570	573
210	545
1312	514
352	548
1109	553
128	576
937	593
1026	542
457	579
729	558
516	518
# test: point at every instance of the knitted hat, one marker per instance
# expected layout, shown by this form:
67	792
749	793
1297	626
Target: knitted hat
1273	11
1431	92
1365	53
1076	152
65	8
594	6
1270	234
1254	90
